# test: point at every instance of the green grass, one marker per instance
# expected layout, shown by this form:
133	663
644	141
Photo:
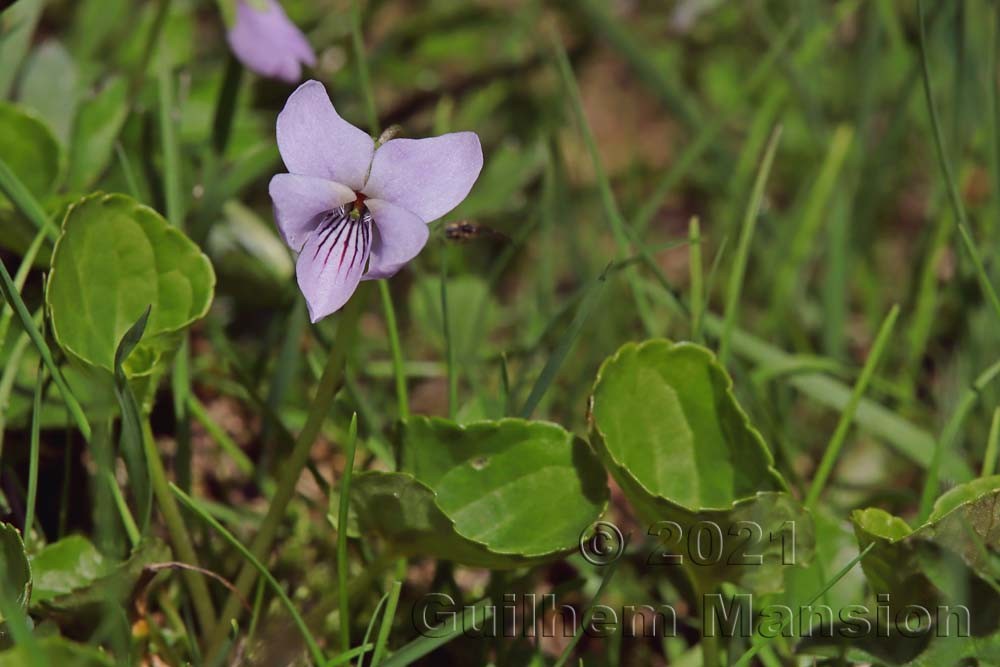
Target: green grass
810	190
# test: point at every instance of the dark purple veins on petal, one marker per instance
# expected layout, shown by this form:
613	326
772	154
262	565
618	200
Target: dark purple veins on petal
338	224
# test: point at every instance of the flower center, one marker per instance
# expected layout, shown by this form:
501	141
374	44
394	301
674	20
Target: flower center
359	208
348	228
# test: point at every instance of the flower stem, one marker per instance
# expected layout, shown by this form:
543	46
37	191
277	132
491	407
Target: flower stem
389	311
361	60
449	343
397	351
329	383
177	529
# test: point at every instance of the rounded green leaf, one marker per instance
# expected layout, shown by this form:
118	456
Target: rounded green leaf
114	258
879	523
31	151
666	423
15	572
491	493
666	414
403	510
76	582
65	566
959	495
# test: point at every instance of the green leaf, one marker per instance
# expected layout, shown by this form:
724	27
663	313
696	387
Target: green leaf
74	578
30	150
17	25
65	566
114	258
961	494
492	494
49	85
15	572
667	425
97	127
906	563
91	27
667	414
54	651
131	435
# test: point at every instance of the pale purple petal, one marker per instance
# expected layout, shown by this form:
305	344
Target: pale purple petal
426	176
315	141
400	236
331	263
268	43
300	200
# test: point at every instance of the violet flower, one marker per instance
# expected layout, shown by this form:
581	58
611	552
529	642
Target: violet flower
354	210
267	42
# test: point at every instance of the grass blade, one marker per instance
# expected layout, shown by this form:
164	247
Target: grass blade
836	442
345	500
24	201
177	529
743	250
131	435
383	632
913	442
949	436
992	446
10	293
815	210
744	660
611	211
449	343
296	460
482	611
609	573
558	356
194	506
958	208
20	278
649	71
217	433
36	425
389	311
697	299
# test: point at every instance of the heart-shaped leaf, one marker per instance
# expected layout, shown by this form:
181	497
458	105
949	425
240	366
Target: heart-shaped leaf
114	258
15	572
30	150
495	494
667	425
